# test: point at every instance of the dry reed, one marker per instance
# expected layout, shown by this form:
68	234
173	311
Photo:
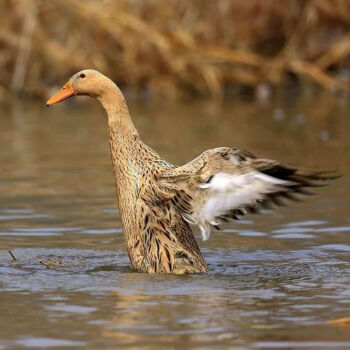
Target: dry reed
175	46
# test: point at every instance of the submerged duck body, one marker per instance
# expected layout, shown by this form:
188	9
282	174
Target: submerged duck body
158	201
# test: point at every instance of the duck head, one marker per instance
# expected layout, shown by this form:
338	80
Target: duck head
87	82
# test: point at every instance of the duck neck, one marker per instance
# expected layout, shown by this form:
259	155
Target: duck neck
119	120
123	137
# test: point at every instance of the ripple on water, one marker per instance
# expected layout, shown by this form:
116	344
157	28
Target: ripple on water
334	229
110	211
75	309
12	271
32	234
49	229
39	231
294	236
245	233
307	223
16	211
302	345
103	231
25	217
293	230
47	342
251	233
339	247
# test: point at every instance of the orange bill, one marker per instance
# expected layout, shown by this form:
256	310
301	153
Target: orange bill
64	93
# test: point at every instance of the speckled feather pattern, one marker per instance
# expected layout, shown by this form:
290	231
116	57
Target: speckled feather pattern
158	238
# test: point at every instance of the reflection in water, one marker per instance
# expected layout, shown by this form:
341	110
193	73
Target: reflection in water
275	280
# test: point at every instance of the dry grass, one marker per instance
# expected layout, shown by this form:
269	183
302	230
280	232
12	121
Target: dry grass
175	46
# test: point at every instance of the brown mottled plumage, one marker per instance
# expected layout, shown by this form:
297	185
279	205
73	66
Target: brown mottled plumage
158	200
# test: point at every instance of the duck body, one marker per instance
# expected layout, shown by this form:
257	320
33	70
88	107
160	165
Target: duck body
158	201
158	239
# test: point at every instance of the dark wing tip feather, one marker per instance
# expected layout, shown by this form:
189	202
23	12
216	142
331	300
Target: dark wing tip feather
302	181
300	175
319	175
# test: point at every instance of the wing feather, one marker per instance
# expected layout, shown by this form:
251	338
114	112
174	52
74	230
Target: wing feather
226	183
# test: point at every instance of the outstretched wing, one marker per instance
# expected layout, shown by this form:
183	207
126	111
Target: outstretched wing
226	183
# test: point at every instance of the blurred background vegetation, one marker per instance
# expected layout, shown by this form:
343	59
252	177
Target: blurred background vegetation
176	48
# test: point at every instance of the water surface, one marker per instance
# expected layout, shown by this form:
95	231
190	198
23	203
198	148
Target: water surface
275	281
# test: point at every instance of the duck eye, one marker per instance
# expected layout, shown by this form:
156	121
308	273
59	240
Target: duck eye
82	75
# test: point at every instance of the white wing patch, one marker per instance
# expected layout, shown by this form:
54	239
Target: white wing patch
234	191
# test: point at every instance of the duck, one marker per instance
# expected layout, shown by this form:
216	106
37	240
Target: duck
160	203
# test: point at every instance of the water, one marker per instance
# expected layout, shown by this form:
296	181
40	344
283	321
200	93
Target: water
275	281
